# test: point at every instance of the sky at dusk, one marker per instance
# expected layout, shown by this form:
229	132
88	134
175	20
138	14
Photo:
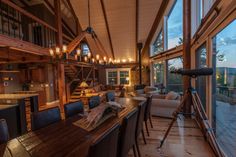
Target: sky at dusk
226	45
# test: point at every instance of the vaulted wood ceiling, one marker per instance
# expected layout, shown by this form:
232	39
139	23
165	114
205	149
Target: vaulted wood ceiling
121	24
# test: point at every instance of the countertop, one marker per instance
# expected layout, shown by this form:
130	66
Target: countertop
16	96
6	106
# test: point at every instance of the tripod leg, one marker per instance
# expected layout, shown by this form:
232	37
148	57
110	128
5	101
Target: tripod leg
167	132
175	115
205	126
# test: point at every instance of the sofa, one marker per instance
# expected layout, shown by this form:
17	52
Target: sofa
146	91
165	105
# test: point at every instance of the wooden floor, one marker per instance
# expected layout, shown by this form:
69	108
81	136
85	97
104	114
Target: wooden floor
184	140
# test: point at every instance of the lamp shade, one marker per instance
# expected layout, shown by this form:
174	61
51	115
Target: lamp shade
83	84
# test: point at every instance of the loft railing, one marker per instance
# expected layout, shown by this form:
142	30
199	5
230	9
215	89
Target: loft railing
18	23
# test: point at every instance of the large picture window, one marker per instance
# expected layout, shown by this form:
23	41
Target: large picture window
157	46
118	76
175	25
224	88
201	62
174	81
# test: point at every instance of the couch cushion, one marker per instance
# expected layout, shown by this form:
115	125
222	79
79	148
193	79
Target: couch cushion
149	89
172	96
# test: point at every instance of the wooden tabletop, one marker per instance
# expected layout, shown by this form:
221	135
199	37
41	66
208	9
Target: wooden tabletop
16	96
62	138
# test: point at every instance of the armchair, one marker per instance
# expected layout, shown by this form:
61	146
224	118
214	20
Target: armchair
165	105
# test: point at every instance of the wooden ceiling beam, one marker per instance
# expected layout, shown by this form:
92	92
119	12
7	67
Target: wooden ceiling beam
107	27
78	26
155	24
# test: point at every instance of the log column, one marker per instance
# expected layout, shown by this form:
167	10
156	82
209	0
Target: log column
140	46
187	48
60	66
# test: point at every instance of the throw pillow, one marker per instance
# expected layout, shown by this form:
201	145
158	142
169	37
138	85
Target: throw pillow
172	96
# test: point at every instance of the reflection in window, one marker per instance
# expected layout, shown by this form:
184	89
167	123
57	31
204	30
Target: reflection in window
157	46
85	49
201	56
175	25
174	81
224	88
118	76
124	77
158	73
112	77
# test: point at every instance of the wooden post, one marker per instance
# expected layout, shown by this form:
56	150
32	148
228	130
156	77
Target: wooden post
187	48
140	46
60	66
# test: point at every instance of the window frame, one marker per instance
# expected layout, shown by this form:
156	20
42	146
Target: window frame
152	52
166	27
118	70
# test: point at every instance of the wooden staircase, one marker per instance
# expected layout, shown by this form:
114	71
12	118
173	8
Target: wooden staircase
70	72
74	76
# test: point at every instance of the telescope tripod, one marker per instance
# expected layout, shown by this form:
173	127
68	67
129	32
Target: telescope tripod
201	119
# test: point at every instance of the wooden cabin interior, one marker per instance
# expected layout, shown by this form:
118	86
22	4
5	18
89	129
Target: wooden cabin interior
117	78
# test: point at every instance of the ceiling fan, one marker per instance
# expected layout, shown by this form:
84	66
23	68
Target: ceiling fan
91	31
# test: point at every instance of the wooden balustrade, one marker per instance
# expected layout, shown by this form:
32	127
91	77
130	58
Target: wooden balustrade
18	23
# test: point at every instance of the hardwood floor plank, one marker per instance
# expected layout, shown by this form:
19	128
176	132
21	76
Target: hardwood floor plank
184	140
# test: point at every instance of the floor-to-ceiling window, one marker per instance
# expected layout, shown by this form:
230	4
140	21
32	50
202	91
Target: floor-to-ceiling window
174	81
224	88
157	45
201	62
175	25
158	73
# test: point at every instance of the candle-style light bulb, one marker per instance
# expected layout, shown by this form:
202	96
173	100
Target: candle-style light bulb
51	52
89	54
58	51
93	60
78	52
85	58
97	57
64	48
110	60
104	58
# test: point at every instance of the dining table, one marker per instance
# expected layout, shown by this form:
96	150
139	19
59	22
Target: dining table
64	138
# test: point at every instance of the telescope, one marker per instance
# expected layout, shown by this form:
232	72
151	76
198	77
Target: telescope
194	72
